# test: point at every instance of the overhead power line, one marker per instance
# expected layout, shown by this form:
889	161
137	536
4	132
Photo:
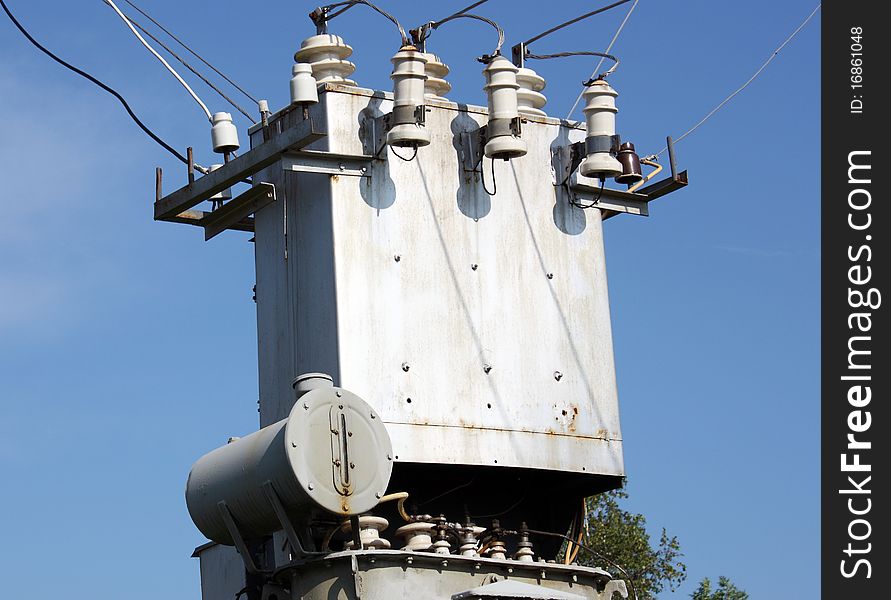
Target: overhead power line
191	68
160	58
746	84
190	50
86	75
607	51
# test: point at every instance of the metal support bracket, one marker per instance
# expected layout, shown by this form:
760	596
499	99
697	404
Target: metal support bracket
287	526
237	170
472	146
565	161
237	538
373	131
237	209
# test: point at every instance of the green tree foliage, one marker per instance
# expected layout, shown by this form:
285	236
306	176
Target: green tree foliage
725	591
621	537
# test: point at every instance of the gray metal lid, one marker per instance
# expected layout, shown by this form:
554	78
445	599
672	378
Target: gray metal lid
339	450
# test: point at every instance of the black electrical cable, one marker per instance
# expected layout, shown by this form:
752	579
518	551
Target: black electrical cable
423	32
400	157
483	178
575	20
591	551
105	87
351	3
603	75
194	53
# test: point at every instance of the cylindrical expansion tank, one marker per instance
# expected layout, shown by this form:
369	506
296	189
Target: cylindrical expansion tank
331	454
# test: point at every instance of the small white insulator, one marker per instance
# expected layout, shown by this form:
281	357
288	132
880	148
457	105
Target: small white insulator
436	87
409	76
600	115
501	90
530	100
327	54
303	85
223	134
370	528
417	536
222	196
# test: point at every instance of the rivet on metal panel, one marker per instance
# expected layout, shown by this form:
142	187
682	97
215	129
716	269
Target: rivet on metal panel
408	400
389	457
377	494
474	266
409	560
575	577
444	563
550	275
338	393
405	367
373	416
397	258
558	375
352	465
342	167
311	487
306	407
293	444
487	368
510	570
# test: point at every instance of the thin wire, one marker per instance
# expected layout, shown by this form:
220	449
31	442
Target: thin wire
160	58
351	3
602	55
192	69
483	178
497	51
575	20
400	157
193	53
89	77
746	84
607	51
461	12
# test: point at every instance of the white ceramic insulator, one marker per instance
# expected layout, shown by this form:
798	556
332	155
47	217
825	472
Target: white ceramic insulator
530	100
303	85
409	76
501	88
524	555
370	528
224	195
327	54
600	116
417	536
442	547
223	134
497	550
436	87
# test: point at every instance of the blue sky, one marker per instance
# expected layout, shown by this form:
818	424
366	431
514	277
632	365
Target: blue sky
127	347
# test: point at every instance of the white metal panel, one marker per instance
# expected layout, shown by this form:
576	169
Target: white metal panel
490	314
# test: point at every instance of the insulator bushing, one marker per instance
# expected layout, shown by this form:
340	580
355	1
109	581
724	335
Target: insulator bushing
600	114
304	88
530	100
417	536
223	133
436	87
370	528
630	161
501	90
409	76
327	55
